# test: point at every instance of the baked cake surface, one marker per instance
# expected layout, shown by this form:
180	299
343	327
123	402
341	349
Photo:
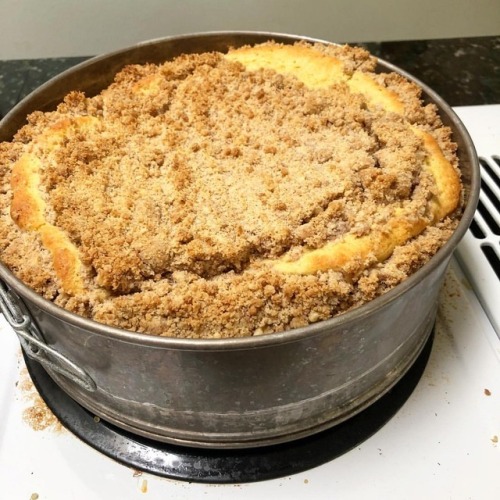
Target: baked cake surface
227	195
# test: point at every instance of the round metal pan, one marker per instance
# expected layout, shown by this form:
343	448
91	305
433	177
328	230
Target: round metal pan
230	393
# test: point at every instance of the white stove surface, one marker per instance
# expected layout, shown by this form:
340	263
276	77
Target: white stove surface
442	444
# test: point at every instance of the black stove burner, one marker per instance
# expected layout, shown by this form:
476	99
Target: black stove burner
226	466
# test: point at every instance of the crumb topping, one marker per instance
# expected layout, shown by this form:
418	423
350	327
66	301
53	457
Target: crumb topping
187	199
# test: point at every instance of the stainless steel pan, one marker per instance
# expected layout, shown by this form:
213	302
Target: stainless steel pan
235	392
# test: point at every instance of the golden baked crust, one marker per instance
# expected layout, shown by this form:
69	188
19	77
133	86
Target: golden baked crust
221	195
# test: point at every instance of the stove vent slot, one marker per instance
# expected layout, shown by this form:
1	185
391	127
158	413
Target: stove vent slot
488	217
493	258
476	230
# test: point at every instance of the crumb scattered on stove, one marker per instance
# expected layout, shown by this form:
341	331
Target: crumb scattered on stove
487	392
37	414
144	485
494	439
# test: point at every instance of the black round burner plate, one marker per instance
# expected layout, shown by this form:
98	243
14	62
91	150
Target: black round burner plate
225	466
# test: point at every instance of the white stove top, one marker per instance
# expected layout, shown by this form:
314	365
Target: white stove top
442	444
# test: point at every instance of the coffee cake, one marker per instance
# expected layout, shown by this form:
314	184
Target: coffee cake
228	195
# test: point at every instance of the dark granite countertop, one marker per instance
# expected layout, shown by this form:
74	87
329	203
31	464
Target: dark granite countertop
464	71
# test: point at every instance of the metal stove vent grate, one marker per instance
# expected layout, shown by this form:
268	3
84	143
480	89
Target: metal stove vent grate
479	250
